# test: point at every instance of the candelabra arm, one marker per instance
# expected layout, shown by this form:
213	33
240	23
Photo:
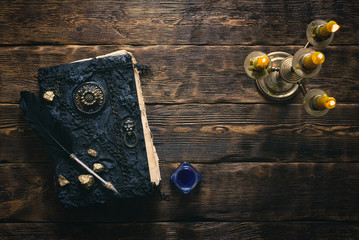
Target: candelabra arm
302	88
275	69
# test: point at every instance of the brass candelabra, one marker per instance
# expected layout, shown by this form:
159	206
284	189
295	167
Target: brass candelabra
279	75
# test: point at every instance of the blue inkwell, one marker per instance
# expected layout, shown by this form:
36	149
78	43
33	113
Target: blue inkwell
185	177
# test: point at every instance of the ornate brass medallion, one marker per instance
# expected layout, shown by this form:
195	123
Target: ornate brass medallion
89	98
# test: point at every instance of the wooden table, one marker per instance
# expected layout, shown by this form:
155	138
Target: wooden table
269	170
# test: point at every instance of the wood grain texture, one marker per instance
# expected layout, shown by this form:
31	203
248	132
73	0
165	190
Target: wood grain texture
182	74
180	230
227	192
215	133
172	22
269	170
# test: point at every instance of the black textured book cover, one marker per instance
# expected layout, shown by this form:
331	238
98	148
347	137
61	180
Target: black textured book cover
97	101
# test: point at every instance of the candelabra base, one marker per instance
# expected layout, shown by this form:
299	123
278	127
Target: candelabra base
273	86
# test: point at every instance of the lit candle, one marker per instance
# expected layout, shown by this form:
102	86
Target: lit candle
327	29
260	63
323	102
313	60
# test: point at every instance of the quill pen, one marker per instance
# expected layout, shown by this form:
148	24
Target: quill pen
56	139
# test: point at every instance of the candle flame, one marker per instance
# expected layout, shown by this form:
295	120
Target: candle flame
331	102
263	61
318	58
324	102
335	28
259	64
332	26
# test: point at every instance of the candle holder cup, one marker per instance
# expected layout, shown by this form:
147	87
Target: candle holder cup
298	63
309	103
313	36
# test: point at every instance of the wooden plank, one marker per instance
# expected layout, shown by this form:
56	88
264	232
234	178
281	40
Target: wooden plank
220	133
227	192
171	22
182	74
179	230
217	133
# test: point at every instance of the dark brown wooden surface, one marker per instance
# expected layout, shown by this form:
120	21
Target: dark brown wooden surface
233	192
269	170
205	22
183	74
234	132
